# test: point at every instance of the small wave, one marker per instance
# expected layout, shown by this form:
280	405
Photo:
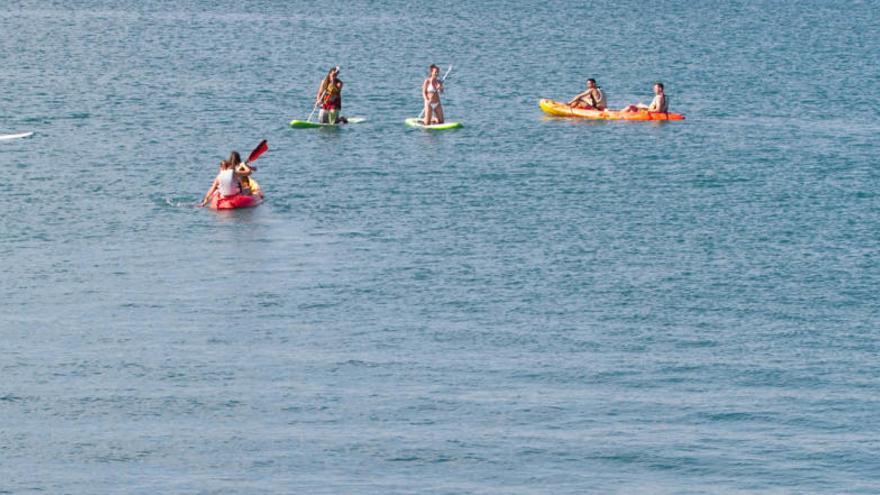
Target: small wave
180	204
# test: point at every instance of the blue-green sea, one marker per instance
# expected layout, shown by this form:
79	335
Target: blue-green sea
526	305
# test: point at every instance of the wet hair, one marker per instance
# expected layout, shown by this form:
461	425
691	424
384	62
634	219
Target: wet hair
326	79
234	159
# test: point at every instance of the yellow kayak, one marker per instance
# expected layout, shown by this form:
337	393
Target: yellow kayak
560	109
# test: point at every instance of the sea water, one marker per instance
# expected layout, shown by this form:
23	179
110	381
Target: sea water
528	305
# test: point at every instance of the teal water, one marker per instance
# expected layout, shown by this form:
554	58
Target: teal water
525	305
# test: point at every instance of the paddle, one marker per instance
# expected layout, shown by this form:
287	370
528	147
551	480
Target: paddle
442	81
315	108
259	150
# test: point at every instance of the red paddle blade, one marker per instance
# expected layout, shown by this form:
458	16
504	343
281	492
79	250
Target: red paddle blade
259	150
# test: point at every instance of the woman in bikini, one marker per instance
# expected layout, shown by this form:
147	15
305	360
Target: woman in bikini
431	89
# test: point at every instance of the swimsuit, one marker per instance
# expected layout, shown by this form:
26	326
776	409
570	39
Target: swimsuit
432	89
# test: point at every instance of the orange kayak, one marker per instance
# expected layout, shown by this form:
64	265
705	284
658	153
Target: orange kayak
561	109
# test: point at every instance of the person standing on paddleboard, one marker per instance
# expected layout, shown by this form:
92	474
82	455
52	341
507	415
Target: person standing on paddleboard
591	99
330	97
431	89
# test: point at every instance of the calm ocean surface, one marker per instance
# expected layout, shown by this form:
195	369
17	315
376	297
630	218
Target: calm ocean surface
525	306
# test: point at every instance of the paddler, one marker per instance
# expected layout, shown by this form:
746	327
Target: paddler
431	89
225	184
659	104
243	171
591	99
330	97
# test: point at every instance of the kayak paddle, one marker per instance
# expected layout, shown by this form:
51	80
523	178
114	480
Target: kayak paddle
315	108
259	150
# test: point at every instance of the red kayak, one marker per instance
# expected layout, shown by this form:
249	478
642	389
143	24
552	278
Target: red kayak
235	202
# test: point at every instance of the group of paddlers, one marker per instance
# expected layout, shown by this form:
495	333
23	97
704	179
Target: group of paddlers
594	99
329	97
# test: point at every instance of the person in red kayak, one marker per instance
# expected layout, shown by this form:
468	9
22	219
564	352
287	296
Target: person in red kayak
431	89
591	99
243	171
330	97
226	183
233	179
659	104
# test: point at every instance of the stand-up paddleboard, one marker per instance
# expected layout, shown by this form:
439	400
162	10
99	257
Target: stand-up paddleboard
4	137
305	124
417	123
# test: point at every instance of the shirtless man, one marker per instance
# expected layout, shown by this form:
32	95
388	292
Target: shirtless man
591	99
658	104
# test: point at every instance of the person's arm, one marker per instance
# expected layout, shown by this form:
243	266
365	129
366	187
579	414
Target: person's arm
244	169
577	97
321	89
210	192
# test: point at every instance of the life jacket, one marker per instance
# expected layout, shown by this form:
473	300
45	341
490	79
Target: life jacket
332	96
664	108
601	103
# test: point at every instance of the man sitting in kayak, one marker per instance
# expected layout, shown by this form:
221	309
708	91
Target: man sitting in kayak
659	104
591	99
330	98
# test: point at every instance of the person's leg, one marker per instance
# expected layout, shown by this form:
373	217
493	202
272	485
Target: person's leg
331	115
322	116
429	113
438	112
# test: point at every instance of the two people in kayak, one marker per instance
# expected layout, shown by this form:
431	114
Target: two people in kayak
233	179
330	98
594	99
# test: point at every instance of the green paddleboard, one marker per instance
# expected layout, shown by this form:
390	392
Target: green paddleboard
433	127
305	124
